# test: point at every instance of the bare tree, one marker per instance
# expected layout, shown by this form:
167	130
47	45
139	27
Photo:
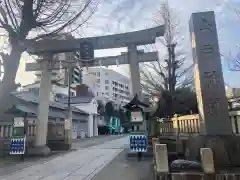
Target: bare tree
233	61
22	20
161	78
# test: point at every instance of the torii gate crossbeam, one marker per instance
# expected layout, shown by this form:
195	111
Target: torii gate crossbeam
142	37
100	61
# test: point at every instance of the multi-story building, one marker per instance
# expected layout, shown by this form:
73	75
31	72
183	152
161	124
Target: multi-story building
108	85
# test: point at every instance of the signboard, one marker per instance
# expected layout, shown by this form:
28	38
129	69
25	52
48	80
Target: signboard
138	143
17	146
18	122
67	124
136	116
18	139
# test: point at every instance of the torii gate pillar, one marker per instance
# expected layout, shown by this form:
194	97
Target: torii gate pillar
45	89
134	70
42	117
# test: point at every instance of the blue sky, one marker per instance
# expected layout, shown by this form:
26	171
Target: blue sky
117	16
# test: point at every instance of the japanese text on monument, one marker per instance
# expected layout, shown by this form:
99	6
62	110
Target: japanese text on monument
213	106
212	79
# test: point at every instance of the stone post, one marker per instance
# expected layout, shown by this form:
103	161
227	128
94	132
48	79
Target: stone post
161	161
43	109
134	70
207	160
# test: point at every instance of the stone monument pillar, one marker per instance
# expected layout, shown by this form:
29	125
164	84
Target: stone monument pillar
210	90
134	70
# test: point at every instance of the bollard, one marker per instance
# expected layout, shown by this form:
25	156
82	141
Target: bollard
154	141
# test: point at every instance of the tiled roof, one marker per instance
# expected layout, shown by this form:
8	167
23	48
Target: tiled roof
32	98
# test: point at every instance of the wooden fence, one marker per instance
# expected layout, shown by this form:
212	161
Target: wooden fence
55	133
191	125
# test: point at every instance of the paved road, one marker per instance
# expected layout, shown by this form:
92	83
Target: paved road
83	164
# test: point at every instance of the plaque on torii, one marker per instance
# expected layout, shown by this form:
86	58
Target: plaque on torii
50	47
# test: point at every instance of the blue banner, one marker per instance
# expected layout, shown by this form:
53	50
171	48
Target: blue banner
138	143
17	146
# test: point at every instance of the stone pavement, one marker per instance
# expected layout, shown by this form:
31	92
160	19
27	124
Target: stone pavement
123	168
87	142
11	164
82	164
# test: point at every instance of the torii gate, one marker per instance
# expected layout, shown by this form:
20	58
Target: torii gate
50	47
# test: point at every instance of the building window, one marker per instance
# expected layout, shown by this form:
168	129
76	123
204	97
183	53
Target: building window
98	74
106	87
98	80
106	81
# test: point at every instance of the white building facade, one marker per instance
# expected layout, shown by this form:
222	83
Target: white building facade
108	85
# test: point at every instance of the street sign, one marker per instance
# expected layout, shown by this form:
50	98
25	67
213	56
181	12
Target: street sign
138	143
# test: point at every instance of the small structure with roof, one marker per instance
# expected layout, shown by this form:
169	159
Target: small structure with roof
85	101
137	116
81	99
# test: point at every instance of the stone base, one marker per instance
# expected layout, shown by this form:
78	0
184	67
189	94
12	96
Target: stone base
58	145
39	151
226	149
